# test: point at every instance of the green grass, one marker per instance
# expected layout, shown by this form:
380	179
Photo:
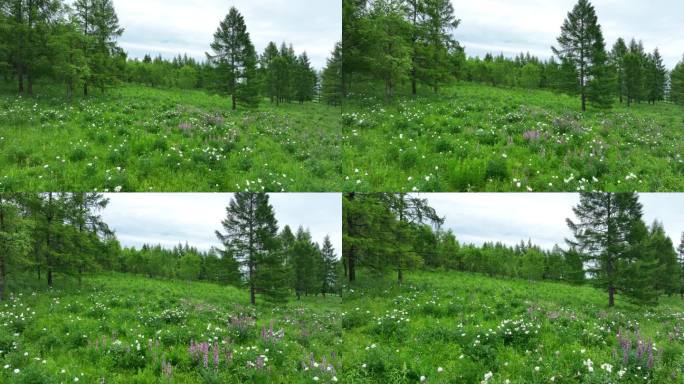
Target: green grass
93	334
525	332
136	138
473	138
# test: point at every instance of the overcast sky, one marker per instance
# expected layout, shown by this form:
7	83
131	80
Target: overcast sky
511	217
170	27
511	27
169	219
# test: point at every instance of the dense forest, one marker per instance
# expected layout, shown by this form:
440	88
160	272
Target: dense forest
42	235
612	246
411	43
75	44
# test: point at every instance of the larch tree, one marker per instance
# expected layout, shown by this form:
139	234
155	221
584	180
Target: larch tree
602	229
581	43
250	237
235	59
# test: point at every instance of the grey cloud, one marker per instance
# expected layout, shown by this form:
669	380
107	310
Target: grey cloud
169	219
511	217
173	27
508	27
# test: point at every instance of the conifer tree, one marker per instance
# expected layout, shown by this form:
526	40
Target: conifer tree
581	43
235	59
602	230
617	59
15	240
329	270
677	83
304	79
655	77
250	238
331	78
304	264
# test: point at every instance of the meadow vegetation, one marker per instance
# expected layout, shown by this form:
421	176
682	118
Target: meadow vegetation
137	138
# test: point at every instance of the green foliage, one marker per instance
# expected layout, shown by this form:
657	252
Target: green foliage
547	147
140	139
144	329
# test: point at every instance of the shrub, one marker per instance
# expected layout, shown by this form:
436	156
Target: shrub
497	169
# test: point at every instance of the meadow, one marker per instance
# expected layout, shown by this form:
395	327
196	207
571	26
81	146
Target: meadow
472	137
127	329
451	327
136	138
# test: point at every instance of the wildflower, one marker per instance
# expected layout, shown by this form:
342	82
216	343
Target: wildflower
536	369
423	379
17	370
487	377
607	367
76	379
440	369
334	379
315	378
117	189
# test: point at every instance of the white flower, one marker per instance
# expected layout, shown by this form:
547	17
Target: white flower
75	379
6	366
334	379
607	367
423	379
117	189
315	378
17	370
487	377
440	369
536	369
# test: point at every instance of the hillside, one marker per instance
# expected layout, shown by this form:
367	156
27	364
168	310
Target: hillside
454	327
136	138
127	329
472	137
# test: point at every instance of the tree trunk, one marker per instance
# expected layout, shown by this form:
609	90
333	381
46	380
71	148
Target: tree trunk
352	264
611	296
85	89
20	79
584	100
49	277
30	85
400	275
234	101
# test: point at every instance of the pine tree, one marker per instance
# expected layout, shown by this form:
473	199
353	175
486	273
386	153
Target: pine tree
655	77
304	264
667	280
574	267
70	65
617	59
329	270
250	238
268	70
235	59
100	25
581	43
677	83
604	223
304	79
331	78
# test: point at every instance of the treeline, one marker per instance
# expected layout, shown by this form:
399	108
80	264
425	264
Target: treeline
63	233
613	247
270	262
307	267
409	42
54	233
399	232
76	44
73	44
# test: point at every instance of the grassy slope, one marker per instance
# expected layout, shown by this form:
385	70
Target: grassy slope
520	325
62	326
132	137
445	142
